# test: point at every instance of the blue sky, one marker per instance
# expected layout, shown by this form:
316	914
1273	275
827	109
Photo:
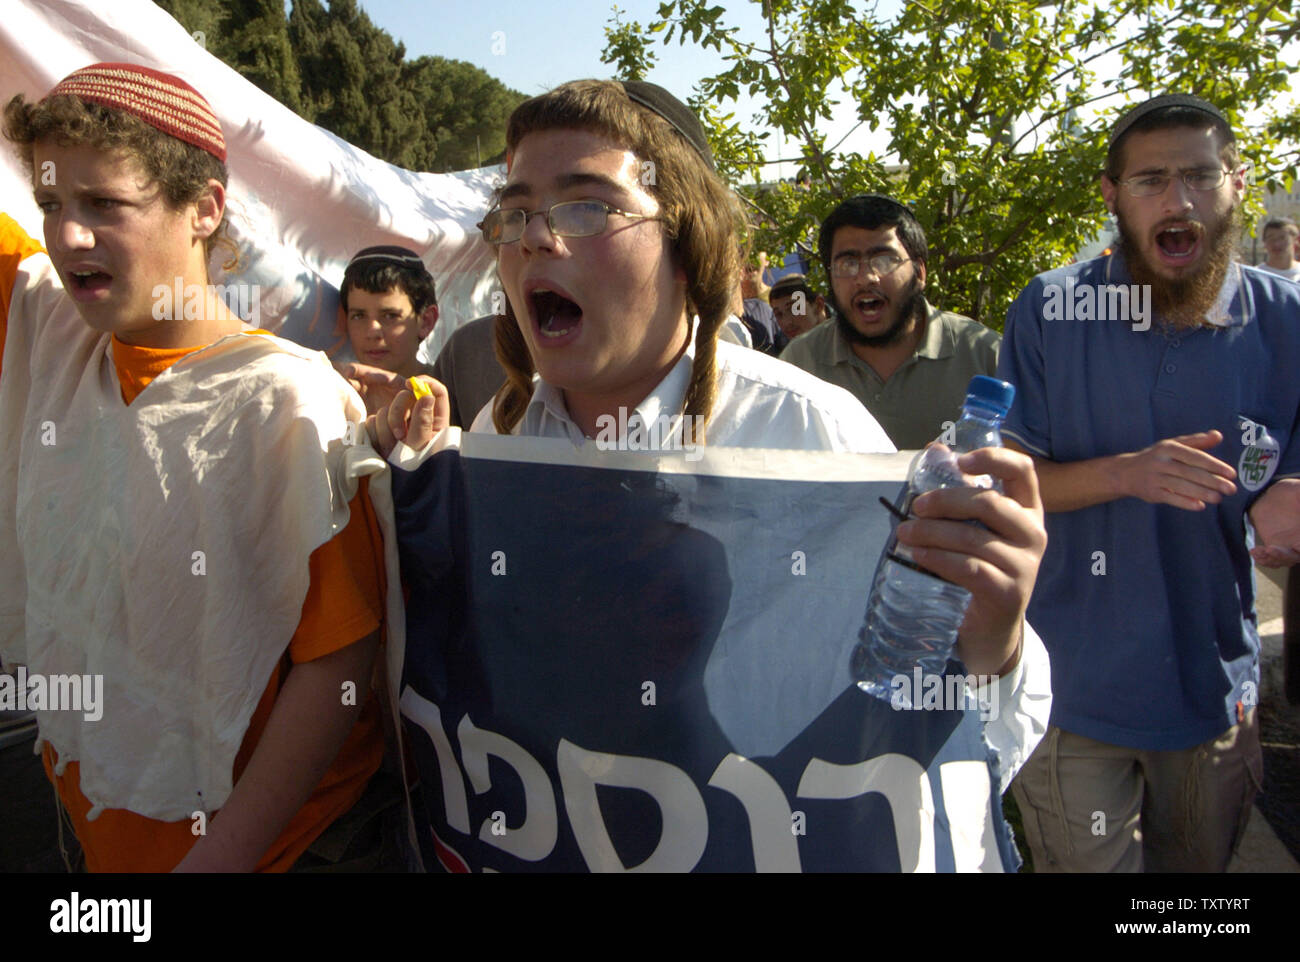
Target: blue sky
533	46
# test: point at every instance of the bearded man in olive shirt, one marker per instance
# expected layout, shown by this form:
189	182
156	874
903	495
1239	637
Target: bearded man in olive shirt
908	362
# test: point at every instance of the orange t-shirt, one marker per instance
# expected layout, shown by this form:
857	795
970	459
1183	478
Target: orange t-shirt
344	604
15	247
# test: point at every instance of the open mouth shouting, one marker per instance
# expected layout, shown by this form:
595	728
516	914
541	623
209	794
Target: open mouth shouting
87	283
870	306
555	316
1178	244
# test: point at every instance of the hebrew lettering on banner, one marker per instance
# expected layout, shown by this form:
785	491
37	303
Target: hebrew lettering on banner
650	687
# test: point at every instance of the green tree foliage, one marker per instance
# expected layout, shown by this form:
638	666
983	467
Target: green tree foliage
353	83
249	35
982	103
467	109
331	65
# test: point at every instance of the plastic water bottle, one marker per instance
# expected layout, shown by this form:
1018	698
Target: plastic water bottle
913	615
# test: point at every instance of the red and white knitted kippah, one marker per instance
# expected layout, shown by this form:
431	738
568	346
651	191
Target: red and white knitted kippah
161	100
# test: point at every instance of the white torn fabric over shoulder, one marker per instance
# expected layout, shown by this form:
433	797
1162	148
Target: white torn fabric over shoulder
238	450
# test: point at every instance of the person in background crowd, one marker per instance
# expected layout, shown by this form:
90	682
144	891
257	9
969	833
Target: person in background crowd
389	306
1281	238
754	310
908	363
796	306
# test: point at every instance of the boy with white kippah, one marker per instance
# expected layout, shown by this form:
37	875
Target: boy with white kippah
389	306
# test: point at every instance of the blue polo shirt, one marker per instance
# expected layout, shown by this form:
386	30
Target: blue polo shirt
1148	611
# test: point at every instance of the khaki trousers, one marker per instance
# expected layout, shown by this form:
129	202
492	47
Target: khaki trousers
1092	807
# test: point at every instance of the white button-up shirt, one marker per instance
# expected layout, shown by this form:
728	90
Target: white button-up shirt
761	403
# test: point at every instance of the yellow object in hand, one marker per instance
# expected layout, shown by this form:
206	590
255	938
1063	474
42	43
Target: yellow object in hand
418	388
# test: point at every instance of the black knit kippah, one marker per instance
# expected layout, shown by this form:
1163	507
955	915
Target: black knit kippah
883	201
1159	103
671	109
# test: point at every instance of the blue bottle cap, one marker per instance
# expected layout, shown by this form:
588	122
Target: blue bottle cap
990	394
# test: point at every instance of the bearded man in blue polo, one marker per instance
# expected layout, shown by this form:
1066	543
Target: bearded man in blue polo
1155	390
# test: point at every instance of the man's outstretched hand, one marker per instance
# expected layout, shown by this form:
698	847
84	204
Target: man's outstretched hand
376	386
1178	471
1276	517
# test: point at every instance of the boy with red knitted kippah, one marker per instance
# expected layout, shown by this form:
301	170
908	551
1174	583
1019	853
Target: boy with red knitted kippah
232	619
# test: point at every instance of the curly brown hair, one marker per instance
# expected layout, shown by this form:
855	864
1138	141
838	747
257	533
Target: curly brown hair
701	218
181	170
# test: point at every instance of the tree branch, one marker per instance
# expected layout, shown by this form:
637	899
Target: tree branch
1065	110
989	256
809	140
1118	44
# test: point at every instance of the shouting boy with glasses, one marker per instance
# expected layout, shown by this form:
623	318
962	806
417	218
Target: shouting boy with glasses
1157	447
908	362
617	246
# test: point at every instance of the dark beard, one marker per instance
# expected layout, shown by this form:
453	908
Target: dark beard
1184	303
911	306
